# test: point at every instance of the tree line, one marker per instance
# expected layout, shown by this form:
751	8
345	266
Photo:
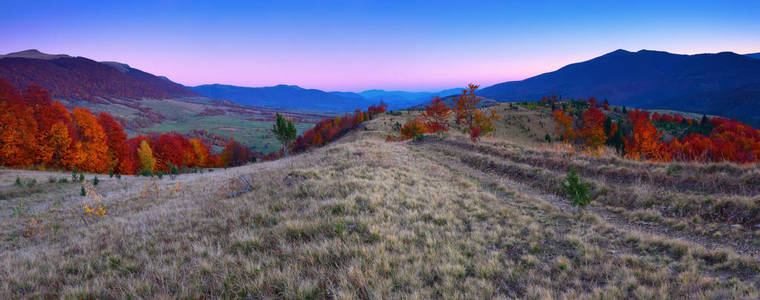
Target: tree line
37	132
640	134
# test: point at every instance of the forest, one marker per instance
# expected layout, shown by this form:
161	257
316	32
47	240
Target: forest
641	135
39	133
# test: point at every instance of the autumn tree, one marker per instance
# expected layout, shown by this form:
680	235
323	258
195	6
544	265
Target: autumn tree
644	142
116	139
19	144
235	154
91	150
436	116
59	141
202	153
285	132
145	154
592	129
483	124
466	111
564	126
413	128
49	113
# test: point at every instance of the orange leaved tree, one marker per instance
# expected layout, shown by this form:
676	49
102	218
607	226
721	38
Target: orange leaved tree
91	149
564	126
436	116
413	128
468	115
644	142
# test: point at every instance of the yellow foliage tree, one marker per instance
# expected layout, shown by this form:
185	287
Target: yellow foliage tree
145	154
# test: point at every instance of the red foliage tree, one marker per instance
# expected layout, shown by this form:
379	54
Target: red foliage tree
118	152
19	145
235	154
592	129
436	116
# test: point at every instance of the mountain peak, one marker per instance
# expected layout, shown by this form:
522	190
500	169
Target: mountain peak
33	54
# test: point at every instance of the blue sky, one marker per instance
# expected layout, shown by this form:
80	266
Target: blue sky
356	45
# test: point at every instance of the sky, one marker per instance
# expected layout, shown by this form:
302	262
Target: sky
355	45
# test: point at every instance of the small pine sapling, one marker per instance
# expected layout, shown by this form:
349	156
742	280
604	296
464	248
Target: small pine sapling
576	189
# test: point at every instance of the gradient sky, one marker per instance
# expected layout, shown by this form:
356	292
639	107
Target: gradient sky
357	45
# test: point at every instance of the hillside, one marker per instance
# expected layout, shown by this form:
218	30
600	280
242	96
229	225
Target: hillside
725	84
145	103
79	78
363	218
754	55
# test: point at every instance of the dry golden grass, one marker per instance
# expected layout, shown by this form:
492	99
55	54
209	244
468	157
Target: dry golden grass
362	218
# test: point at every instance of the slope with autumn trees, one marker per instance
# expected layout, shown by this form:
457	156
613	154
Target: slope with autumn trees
37	132
641	135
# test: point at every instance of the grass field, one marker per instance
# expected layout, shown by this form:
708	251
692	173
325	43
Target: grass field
255	134
362	218
249	125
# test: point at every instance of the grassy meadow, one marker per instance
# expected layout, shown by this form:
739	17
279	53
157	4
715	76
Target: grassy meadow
441	217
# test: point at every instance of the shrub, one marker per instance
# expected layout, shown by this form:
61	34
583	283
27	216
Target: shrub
412	128
576	189
95	181
63	180
18	182
110	173
83	192
118	176
81	177
51	179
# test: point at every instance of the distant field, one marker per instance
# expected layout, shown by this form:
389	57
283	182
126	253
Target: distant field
248	125
255	134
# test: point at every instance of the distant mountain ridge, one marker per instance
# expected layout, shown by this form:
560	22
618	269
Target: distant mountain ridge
291	96
281	96
79	78
754	55
404	99
726	83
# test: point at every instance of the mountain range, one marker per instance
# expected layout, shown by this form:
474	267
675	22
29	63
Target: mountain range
292	96
726	83
281	96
